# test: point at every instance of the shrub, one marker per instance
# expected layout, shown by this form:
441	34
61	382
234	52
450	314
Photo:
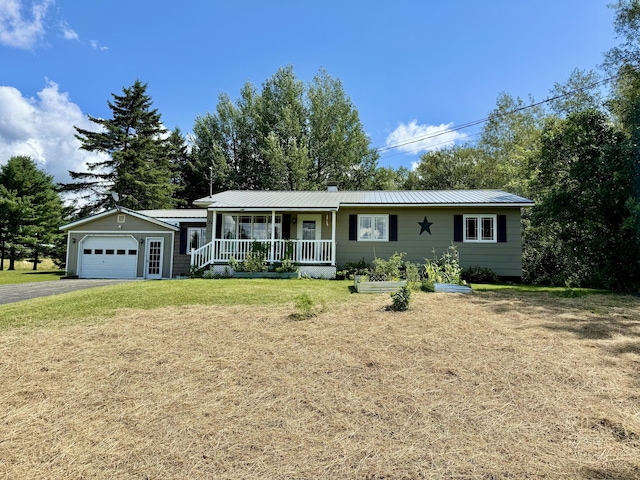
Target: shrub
390	268
480	275
401	299
306	307
412	272
427	286
350	269
445	269
286	266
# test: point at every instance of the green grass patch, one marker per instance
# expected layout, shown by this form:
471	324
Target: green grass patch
24	272
558	291
83	305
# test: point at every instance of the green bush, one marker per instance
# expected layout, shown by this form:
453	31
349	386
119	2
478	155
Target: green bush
445	269
480	275
400	300
390	268
427	286
306	307
350	269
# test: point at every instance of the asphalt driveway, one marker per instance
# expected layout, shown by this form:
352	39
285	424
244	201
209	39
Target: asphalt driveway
24	291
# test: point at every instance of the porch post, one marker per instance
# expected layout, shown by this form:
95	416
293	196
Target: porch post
214	227
273	233
333	238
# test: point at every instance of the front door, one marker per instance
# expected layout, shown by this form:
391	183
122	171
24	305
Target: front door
153	264
309	231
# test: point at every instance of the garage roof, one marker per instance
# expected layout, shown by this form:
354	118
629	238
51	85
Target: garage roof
133	213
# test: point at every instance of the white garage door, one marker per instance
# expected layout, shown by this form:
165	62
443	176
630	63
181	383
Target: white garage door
108	257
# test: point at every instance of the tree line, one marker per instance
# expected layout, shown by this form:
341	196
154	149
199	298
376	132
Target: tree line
577	155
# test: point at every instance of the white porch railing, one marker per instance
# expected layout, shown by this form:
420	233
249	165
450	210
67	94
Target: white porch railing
308	252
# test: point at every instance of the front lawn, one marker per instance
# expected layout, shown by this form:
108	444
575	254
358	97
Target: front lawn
217	379
85	305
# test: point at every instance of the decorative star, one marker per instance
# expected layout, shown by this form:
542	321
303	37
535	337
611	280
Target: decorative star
425	226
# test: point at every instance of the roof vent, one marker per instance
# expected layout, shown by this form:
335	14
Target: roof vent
332	186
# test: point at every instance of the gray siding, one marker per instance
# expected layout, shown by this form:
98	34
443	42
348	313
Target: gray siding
504	258
137	228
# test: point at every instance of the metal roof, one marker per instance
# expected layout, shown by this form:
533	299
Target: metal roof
133	213
324	200
176	213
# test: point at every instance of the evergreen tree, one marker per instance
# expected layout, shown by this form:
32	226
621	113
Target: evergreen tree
30	211
137	164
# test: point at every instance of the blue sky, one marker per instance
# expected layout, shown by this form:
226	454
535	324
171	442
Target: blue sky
409	67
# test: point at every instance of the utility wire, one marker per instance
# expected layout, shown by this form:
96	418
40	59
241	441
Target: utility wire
486	119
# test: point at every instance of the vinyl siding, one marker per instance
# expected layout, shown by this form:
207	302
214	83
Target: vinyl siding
504	258
136	227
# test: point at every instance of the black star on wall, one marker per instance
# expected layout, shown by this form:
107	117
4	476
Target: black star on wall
425	226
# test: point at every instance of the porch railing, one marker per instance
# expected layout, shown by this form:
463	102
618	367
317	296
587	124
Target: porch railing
299	251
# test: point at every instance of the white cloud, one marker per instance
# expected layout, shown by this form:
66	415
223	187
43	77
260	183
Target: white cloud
412	138
67	32
19	28
97	46
42	128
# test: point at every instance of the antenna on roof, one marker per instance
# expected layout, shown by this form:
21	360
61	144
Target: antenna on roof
211	181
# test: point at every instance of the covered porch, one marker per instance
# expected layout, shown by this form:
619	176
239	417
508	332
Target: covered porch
307	238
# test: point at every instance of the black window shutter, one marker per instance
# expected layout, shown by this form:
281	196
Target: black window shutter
183	240
457	228
218	225
286	225
353	227
393	228
502	228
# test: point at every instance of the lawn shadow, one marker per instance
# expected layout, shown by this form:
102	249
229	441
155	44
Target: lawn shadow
58	273
591	317
631	473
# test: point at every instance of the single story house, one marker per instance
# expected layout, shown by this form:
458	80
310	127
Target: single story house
319	230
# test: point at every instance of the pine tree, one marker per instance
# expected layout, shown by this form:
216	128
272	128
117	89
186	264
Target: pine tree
30	211
137	163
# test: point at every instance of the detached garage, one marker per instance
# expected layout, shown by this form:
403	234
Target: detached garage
120	243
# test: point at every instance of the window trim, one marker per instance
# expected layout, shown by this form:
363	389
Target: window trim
478	233
267	229
373	216
202	237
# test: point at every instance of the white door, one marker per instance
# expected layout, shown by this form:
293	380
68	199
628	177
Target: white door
108	256
309	231
153	258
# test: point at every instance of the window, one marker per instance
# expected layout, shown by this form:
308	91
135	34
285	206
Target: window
480	228
255	227
197	237
374	228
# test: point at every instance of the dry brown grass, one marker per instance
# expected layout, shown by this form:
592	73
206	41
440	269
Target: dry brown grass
487	386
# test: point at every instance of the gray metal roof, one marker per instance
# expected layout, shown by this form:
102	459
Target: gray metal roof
176	213
324	200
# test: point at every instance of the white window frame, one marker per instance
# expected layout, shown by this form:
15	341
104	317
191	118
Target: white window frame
235	221
476	236
373	218
202	237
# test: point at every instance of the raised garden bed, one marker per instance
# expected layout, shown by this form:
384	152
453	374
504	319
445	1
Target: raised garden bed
362	285
266	275
451	288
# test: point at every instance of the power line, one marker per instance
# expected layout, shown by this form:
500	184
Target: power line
486	119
